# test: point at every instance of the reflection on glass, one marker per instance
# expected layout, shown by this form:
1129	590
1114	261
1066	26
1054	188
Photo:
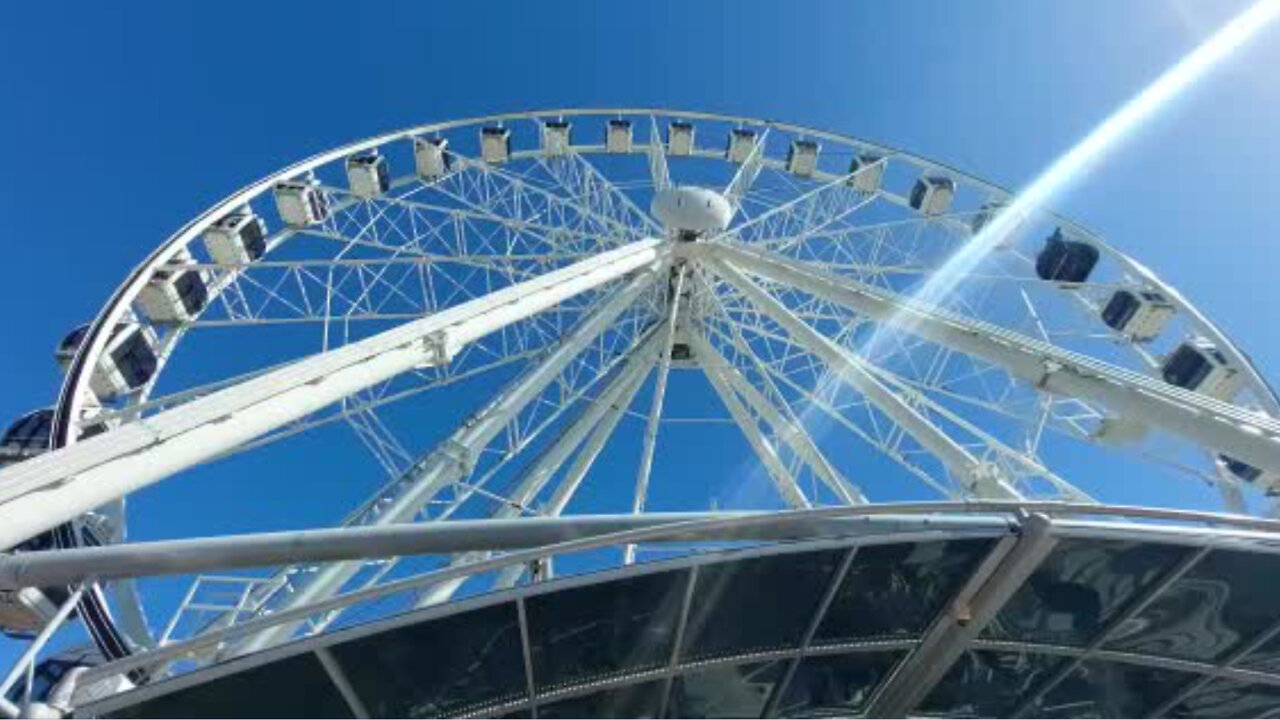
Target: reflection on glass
756	604
1229	699
839	684
1078	588
1228	598
989	684
296	687
643	700
438	667
725	692
897	590
597	630
1110	689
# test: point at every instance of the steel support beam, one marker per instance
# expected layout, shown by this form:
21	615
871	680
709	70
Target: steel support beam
850	369
1240	433
577	471
787	429
48	568
764	450
963	620
624	384
452	459
56	487
645	468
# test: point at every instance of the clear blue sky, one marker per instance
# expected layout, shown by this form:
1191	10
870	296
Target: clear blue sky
120	122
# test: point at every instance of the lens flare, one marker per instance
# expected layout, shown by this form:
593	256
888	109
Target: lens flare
1093	148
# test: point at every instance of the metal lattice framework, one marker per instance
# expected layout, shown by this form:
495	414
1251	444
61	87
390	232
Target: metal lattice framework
517	255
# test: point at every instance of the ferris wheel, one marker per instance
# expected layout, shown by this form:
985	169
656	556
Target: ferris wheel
563	314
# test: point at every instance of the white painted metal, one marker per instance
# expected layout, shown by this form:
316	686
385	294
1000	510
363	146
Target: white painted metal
981	478
60	485
619	391
492	215
454	458
1250	436
675	295
787	429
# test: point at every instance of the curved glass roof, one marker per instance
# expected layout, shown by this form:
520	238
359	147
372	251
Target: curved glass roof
1106	620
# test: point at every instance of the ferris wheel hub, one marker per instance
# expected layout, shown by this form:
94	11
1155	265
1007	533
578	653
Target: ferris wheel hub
689	212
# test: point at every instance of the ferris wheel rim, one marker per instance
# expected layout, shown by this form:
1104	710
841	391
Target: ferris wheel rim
76	377
73	389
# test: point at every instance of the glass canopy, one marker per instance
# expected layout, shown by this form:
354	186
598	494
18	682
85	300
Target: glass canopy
1117	622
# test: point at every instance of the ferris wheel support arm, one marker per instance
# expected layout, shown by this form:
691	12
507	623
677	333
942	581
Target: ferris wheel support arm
786	429
747	173
451	460
577	471
1248	436
850	370
58	486
659	396
535	478
764	450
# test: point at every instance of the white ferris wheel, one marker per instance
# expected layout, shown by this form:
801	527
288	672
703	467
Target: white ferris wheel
546	327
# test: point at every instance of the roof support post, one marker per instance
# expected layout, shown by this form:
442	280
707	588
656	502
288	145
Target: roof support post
976	605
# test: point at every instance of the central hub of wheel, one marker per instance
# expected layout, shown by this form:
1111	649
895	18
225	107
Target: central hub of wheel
691	212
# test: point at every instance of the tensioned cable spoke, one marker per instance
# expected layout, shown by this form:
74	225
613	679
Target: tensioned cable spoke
663	370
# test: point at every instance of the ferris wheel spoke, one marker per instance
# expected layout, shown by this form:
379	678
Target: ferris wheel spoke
850	369
661	372
592	426
455	458
746	175
783	480
491	189
432	226
585	184
658	172
809	208
818	390
787	429
1203	420
540	415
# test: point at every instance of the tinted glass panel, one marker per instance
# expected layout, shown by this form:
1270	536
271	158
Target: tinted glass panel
601	629
836	683
756	604
630	701
1265	658
1078	588
438	667
1227	598
1107	689
1228	699
296	687
896	590
725	692
989	684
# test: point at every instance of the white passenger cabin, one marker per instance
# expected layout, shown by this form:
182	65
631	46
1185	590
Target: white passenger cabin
177	291
367	175
431	157
867	172
1198	365
128	360
301	203
932	195
802	158
741	143
1139	314
680	138
237	239
556	137
617	137
495	144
